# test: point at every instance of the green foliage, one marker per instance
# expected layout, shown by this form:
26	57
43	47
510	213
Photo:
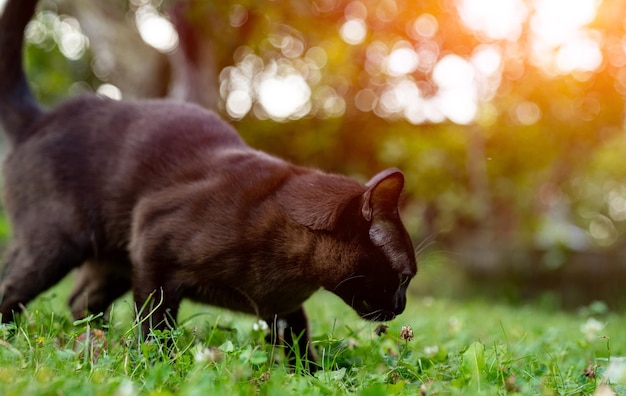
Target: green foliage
53	76
476	347
473	366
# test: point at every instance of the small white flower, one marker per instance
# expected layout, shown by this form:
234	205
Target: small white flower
591	329
431	350
616	371
260	325
454	324
428	301
126	388
204	354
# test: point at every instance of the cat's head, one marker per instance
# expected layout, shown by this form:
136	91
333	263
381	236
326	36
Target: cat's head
370	257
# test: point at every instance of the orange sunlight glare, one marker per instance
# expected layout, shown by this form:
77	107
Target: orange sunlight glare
494	19
561	42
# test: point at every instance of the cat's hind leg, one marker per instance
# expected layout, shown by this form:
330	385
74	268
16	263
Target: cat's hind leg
31	269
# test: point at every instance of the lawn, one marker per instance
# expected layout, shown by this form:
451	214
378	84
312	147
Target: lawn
457	347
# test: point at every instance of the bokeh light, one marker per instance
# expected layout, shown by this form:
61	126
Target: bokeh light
284	96
402	60
495	19
458	92
110	91
63	30
353	31
155	29
424	26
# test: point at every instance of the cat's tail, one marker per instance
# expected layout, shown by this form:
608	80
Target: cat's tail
18	107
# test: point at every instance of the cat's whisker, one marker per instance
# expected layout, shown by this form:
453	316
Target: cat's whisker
427	239
425	244
349	278
419	253
351	303
374	315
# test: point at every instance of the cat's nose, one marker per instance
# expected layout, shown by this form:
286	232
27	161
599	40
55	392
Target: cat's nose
399	302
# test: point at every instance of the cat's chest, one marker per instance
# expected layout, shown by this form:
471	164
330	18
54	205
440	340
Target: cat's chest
263	300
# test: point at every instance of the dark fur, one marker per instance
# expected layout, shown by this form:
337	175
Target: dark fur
165	198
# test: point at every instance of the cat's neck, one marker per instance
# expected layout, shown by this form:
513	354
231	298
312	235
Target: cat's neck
314	206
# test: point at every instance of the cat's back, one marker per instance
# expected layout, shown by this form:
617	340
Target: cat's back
91	134
100	147
94	119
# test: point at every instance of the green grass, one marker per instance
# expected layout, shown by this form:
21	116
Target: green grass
459	348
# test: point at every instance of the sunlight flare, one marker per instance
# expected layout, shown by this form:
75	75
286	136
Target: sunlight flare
560	40
496	19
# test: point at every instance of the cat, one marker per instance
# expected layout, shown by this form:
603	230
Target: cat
165	199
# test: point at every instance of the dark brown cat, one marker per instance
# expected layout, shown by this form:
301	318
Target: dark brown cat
165	198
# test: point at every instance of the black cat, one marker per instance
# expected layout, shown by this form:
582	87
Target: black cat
166	198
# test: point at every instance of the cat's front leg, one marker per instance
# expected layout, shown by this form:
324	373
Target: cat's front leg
157	290
156	300
295	337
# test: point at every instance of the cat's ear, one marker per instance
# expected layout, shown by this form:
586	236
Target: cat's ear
383	194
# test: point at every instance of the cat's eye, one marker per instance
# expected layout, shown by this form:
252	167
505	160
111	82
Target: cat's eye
404	280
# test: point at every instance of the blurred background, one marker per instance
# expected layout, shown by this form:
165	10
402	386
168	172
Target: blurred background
507	116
